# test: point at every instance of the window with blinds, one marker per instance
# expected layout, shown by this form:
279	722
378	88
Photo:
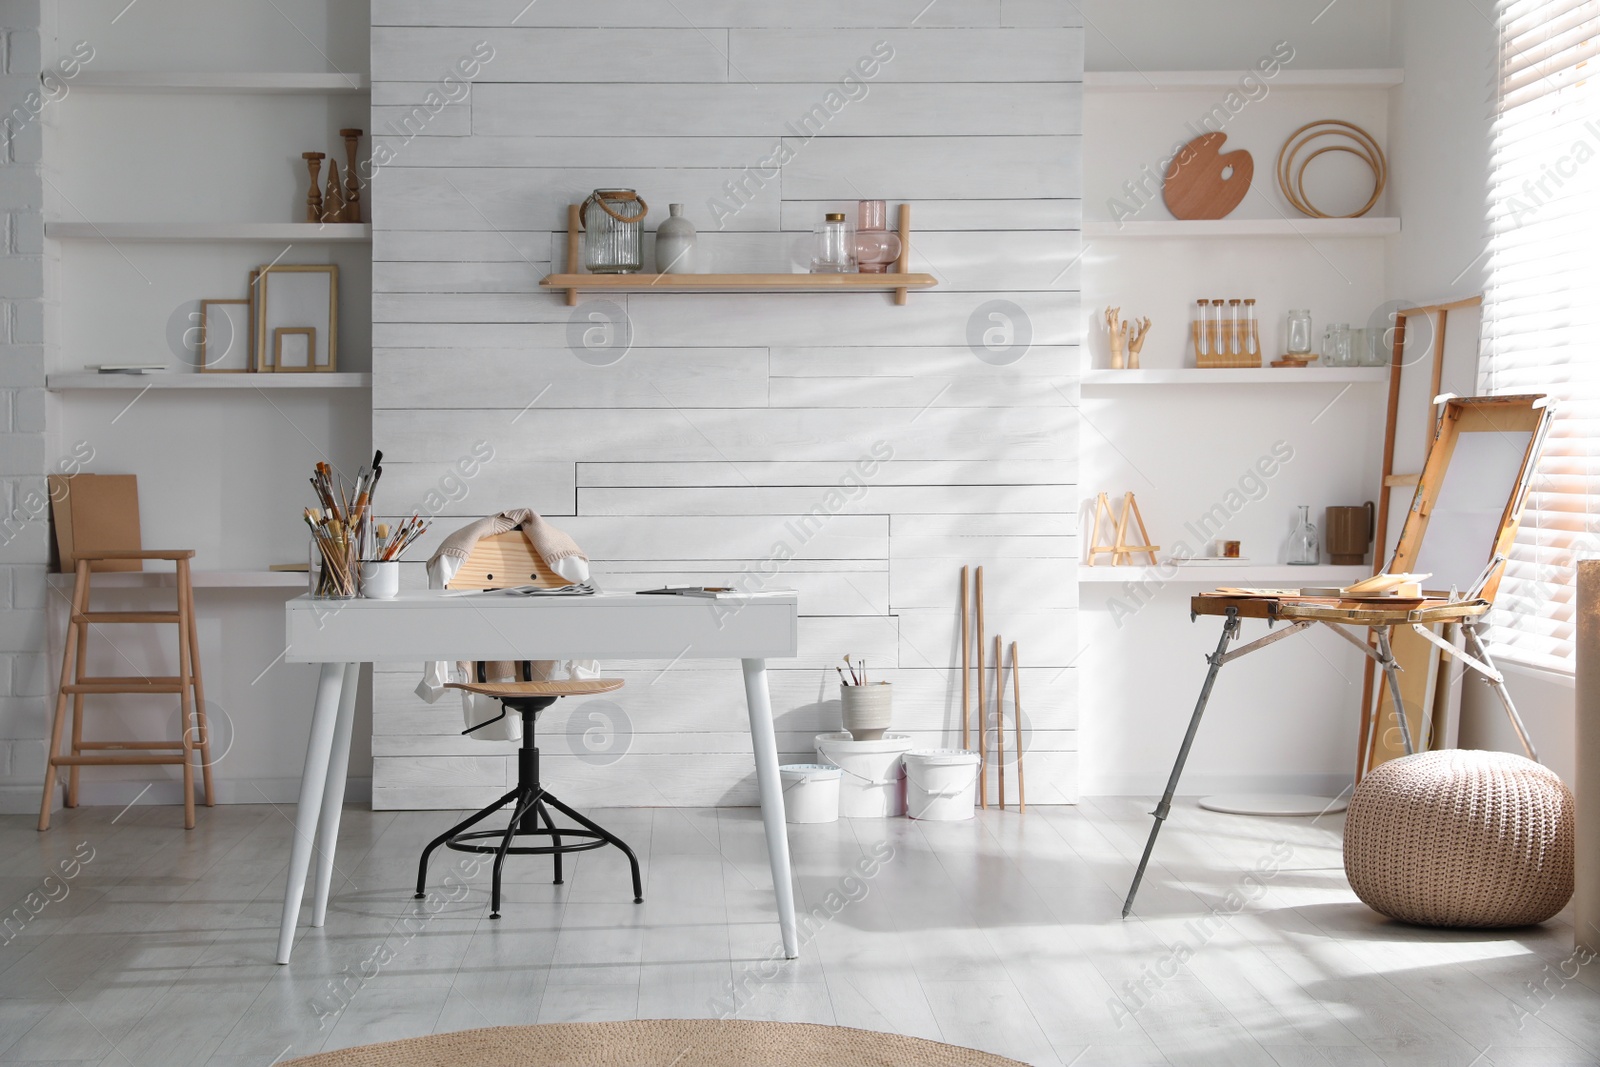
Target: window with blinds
1542	307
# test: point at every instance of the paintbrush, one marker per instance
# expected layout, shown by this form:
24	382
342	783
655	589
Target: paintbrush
851	667
841	676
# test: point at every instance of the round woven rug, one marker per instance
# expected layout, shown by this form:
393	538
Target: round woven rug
660	1043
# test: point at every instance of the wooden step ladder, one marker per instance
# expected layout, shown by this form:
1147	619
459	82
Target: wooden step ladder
186	684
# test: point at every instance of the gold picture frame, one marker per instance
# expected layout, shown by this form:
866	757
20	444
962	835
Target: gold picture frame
298	296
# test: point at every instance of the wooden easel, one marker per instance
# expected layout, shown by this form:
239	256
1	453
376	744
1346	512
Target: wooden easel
1121	551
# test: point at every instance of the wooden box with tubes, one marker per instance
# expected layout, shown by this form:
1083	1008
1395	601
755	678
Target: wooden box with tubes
1225	333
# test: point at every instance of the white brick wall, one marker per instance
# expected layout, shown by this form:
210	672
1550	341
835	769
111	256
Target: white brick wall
23	295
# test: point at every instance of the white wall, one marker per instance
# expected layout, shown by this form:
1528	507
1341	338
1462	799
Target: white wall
732	414
1229	34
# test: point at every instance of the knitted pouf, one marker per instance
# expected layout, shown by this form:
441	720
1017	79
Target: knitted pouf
1461	838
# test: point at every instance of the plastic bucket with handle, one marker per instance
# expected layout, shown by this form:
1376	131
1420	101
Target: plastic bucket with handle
874	781
810	792
941	783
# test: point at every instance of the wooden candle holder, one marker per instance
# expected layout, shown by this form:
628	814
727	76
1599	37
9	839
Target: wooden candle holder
352	184
314	197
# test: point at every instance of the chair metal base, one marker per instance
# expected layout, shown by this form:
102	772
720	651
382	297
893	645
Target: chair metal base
530	805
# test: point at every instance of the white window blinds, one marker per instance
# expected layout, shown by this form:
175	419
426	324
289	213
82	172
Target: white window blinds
1542	308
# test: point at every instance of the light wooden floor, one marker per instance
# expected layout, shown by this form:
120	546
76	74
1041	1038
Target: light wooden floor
1001	933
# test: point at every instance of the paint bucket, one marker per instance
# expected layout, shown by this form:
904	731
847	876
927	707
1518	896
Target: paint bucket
810	792
941	783
874	780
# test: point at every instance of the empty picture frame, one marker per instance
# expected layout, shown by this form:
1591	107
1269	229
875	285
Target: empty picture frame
293	348
225	337
298	296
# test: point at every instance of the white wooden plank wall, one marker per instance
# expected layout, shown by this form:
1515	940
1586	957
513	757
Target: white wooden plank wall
731	417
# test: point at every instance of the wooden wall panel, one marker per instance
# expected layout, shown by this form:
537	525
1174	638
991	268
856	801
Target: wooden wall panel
885	446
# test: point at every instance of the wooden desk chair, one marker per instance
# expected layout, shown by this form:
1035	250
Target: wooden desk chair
1498	441
75	683
499	562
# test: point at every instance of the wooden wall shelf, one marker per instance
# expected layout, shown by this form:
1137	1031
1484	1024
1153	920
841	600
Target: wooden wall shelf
899	282
1269	575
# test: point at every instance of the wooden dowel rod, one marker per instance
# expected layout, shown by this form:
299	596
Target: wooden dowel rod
1000	715
983	707
966	663
1016	716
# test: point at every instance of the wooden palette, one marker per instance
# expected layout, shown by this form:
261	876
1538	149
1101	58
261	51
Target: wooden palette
1195	186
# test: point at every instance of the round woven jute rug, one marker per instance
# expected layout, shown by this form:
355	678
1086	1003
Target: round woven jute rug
660	1043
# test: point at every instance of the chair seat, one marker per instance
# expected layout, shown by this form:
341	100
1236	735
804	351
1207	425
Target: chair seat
576	687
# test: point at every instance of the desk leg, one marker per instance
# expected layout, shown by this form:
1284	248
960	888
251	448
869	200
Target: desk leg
765	743
333	795
313	781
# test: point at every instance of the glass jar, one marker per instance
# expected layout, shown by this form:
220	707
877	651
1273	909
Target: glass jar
835	249
876	247
1373	353
1336	345
1202	347
1299	333
1252	331
1304	548
613	231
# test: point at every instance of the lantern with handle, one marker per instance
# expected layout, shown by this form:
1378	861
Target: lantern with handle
613	231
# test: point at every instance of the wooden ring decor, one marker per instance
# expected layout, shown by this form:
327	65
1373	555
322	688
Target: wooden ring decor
1291	178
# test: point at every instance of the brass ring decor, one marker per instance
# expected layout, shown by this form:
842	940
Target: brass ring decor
1291	178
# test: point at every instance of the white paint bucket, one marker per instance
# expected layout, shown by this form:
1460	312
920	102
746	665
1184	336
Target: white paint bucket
941	783
874	785
810	792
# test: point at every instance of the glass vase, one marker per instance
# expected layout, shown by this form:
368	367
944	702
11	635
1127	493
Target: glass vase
613	231
835	250
876	247
1304	548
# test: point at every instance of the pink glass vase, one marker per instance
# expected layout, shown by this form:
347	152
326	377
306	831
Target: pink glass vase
876	247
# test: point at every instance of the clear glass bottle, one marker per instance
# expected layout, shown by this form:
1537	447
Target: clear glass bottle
1336	345
1219	345
1304	548
835	250
1252	331
1299	333
1234	328
1202	350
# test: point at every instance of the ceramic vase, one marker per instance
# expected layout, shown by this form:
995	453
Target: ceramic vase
865	709
675	243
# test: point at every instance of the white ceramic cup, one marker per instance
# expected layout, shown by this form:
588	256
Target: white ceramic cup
380	579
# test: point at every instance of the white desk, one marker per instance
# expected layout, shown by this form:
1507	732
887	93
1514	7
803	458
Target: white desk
341	635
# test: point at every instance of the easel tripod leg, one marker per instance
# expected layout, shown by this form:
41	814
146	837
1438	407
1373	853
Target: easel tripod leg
1230	630
1391	672
1499	686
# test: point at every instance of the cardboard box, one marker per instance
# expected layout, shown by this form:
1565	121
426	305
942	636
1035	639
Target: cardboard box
96	513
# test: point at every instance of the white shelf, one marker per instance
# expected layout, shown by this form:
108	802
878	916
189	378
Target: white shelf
201	579
1120	81
1117	379
275	232
272	82
1299	227
1271	576
85	380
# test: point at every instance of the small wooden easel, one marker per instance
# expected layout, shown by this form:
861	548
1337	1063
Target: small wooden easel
1121	551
